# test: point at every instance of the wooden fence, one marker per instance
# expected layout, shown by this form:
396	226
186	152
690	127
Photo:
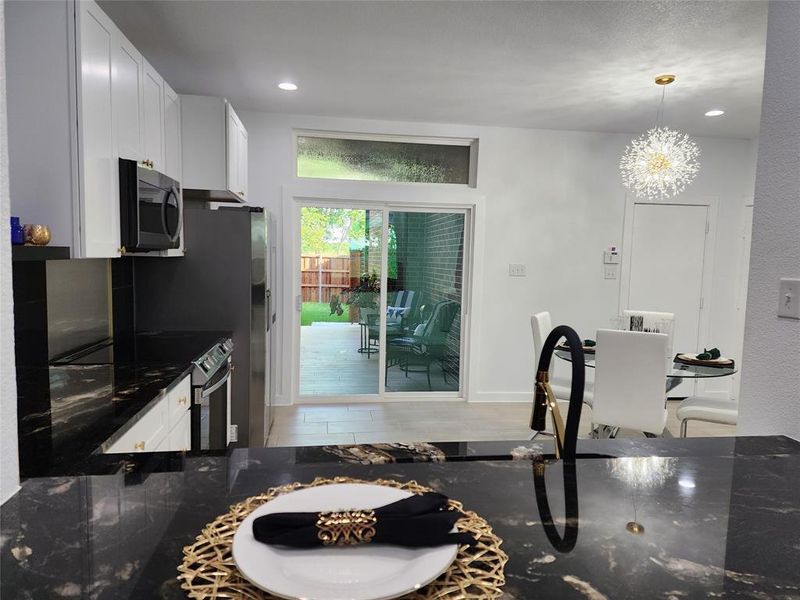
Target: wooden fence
324	276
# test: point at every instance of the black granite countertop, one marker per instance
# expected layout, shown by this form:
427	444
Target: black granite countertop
66	411
142	464
717	520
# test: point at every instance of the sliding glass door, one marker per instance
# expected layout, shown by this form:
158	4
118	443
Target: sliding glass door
340	318
424	283
382	296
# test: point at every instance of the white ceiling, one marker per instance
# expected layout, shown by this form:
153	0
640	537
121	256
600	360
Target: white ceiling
555	65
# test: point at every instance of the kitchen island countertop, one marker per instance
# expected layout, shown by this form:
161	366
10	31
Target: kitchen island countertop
717	521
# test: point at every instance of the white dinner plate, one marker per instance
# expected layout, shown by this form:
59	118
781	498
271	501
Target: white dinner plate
367	572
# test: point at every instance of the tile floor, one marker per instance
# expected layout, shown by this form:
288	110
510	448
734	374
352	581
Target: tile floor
313	425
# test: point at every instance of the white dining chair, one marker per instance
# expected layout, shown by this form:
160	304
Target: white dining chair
710	410
541	326
630	381
651	320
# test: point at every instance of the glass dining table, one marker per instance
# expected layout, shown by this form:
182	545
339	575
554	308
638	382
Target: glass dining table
677	373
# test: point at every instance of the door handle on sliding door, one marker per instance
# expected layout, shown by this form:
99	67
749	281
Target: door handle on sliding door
298	303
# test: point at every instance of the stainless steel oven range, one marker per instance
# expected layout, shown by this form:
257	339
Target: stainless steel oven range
211	411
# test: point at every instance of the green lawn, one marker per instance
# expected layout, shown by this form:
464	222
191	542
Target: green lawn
321	312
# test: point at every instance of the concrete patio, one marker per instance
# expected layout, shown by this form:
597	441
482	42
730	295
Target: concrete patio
330	365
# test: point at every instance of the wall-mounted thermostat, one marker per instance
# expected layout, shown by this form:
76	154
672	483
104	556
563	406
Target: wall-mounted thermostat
611	256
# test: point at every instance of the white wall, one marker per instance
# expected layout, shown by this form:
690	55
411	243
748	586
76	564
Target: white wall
9	454
770	401
554	201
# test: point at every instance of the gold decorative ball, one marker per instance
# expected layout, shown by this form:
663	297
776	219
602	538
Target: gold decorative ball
38	235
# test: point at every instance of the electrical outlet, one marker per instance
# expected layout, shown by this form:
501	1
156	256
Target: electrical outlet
789	299
233	433
516	270
610	272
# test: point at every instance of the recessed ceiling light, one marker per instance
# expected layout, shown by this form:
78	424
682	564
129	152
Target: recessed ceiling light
715	113
287	86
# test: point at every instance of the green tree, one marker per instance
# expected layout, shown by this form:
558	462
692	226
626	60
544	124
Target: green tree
330	231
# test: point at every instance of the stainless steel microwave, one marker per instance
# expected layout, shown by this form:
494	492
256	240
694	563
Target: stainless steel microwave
151	208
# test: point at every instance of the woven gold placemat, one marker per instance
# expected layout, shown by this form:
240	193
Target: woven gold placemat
208	569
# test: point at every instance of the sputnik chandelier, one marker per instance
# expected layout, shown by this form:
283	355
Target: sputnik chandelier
662	162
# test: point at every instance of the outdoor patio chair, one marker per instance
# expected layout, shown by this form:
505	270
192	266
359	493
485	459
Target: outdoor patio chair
401	310
426	345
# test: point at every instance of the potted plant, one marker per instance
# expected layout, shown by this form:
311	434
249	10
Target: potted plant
363	297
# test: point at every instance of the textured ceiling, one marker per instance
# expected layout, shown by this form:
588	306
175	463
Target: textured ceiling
555	65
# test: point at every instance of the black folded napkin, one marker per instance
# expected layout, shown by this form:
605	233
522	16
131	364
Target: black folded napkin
706	354
417	521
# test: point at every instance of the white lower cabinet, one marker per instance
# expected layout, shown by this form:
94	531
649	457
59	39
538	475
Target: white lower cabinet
178	402
146	434
180	438
165	427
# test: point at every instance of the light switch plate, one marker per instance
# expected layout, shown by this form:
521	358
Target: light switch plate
516	270
789	298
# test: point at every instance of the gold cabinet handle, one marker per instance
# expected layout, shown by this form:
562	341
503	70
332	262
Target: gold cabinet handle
182	400
138	446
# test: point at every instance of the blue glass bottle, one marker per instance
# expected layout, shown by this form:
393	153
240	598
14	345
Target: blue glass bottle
17	233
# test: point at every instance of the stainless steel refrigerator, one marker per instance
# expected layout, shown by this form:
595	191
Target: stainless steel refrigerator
222	283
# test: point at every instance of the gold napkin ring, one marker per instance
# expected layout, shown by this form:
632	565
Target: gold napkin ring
346	528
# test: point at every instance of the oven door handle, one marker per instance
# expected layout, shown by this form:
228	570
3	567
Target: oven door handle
205	393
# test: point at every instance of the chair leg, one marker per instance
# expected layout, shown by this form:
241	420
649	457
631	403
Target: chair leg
684	422
430	387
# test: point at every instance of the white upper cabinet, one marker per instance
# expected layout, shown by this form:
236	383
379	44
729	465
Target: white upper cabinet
153	118
214	143
232	152
99	204
237	155
172	133
78	113
127	83
242	161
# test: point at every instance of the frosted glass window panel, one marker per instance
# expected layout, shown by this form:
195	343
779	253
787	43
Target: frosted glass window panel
372	160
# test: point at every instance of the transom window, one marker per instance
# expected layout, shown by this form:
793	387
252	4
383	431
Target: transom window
387	158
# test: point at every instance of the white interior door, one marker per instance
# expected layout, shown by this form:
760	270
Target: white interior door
667	253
